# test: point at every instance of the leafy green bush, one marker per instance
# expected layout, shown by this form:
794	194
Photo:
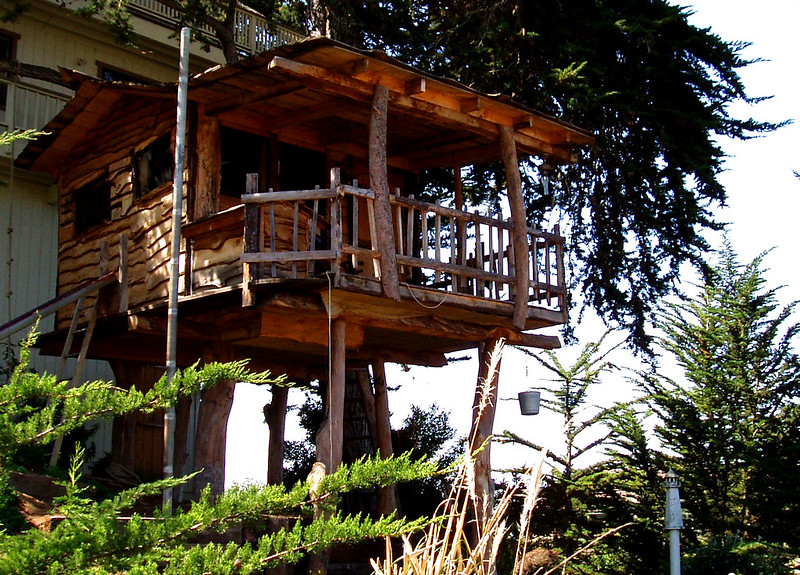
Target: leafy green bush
733	554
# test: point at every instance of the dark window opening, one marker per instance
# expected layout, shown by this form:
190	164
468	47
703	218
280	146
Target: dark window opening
301	169
111	74
92	204
152	167
242	154
8	52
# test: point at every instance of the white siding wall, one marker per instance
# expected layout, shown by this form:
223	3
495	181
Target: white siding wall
51	37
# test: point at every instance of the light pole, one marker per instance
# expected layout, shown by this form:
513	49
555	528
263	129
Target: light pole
674	522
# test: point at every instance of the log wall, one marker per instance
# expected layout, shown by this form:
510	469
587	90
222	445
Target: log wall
143	224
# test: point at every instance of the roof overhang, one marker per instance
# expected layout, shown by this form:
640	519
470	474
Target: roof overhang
317	94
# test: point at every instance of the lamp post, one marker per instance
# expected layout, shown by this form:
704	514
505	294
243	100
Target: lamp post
673	522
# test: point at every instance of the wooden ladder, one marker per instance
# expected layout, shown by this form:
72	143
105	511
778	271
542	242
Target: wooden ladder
77	295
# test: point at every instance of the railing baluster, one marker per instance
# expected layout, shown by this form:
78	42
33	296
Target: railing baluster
312	242
424	247
453	260
354	242
512	269
547	268
479	284
295	235
272	235
438	244
535	267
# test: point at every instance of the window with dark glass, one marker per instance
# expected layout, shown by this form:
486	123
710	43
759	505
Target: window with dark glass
92	204
152	167
242	154
8	49
111	74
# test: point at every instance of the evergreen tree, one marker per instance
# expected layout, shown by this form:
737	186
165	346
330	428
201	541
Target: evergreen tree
580	503
734	422
91	540
654	90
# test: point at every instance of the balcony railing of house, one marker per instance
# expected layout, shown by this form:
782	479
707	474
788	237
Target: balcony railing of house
304	234
26	106
253	32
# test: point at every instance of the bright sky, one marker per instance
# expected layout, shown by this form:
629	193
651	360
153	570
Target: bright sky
763	210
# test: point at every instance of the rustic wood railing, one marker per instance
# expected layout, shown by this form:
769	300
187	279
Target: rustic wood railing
306	233
252	32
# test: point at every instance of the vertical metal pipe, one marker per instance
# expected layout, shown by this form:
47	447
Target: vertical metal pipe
177	215
674	522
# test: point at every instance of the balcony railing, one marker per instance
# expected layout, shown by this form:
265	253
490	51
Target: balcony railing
253	32
304	234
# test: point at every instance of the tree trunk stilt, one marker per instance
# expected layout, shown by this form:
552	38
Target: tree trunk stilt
387	496
483	412
212	426
331	434
508	150
275	414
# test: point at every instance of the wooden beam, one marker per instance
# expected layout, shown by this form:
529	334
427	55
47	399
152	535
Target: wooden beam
471	105
379	182
415	86
354	68
327	80
483	412
520	231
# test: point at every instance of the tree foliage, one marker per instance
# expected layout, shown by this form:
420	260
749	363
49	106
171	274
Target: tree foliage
654	90
735	420
90	539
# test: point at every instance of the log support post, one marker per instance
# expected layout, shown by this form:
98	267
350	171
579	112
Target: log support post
483	412
387	496
212	431
331	434
508	150
379	182
208	173
252	242
275	415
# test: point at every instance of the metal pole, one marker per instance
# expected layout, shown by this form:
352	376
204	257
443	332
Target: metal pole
177	215
674	522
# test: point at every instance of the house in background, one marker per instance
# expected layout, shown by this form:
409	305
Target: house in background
306	244
46	37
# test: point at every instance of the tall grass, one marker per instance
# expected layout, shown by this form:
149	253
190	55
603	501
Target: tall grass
446	548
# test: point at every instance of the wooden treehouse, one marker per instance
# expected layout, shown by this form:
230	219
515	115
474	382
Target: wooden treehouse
305	245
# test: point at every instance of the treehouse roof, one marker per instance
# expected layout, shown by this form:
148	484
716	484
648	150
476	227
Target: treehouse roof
317	94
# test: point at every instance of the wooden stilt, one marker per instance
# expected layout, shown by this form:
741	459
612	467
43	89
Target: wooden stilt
483	411
212	426
331	434
387	496
508	149
329	437
275	413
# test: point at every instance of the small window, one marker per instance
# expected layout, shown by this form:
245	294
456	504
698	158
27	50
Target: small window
92	204
111	74
8	53
152	167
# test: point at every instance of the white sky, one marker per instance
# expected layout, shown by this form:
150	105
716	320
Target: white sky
763	202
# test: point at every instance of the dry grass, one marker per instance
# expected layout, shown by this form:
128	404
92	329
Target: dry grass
445	549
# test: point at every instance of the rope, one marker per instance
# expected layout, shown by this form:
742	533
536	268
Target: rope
444	299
